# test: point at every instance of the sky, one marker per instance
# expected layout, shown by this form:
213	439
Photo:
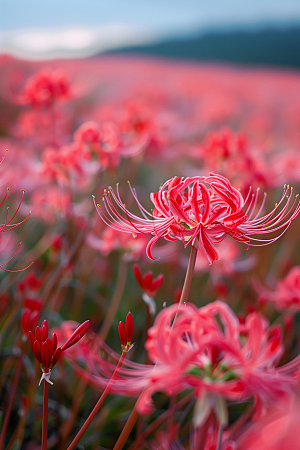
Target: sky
82	24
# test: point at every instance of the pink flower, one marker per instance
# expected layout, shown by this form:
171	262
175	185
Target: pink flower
203	209
51	202
287	291
29	285
278	431
149	286
227	153
61	164
45	88
133	247
208	350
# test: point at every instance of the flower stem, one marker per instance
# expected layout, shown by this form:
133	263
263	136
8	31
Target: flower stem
220	434
11	400
127	429
189	274
157	422
188	278
45	417
97	406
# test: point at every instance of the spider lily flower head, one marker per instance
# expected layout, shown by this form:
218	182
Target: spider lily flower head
29	285
46	350
126	332
45	88
132	247
286	293
226	152
208	350
149	285
201	211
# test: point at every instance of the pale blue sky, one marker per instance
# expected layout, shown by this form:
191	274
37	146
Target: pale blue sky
153	15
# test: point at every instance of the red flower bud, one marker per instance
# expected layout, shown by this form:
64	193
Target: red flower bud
147	283
76	336
45	349
126	332
122	333
129	327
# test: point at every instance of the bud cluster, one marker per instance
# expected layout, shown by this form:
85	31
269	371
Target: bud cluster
45	349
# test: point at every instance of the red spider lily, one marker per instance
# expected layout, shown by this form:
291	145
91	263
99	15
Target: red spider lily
149	286
106	142
45	349
126	332
225	152
286	293
45	88
30	283
233	361
207	350
62	164
230	361
132	247
202	208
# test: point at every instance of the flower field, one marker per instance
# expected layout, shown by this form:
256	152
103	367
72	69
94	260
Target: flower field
149	255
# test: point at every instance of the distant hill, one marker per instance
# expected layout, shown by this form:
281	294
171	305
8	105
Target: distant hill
269	46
